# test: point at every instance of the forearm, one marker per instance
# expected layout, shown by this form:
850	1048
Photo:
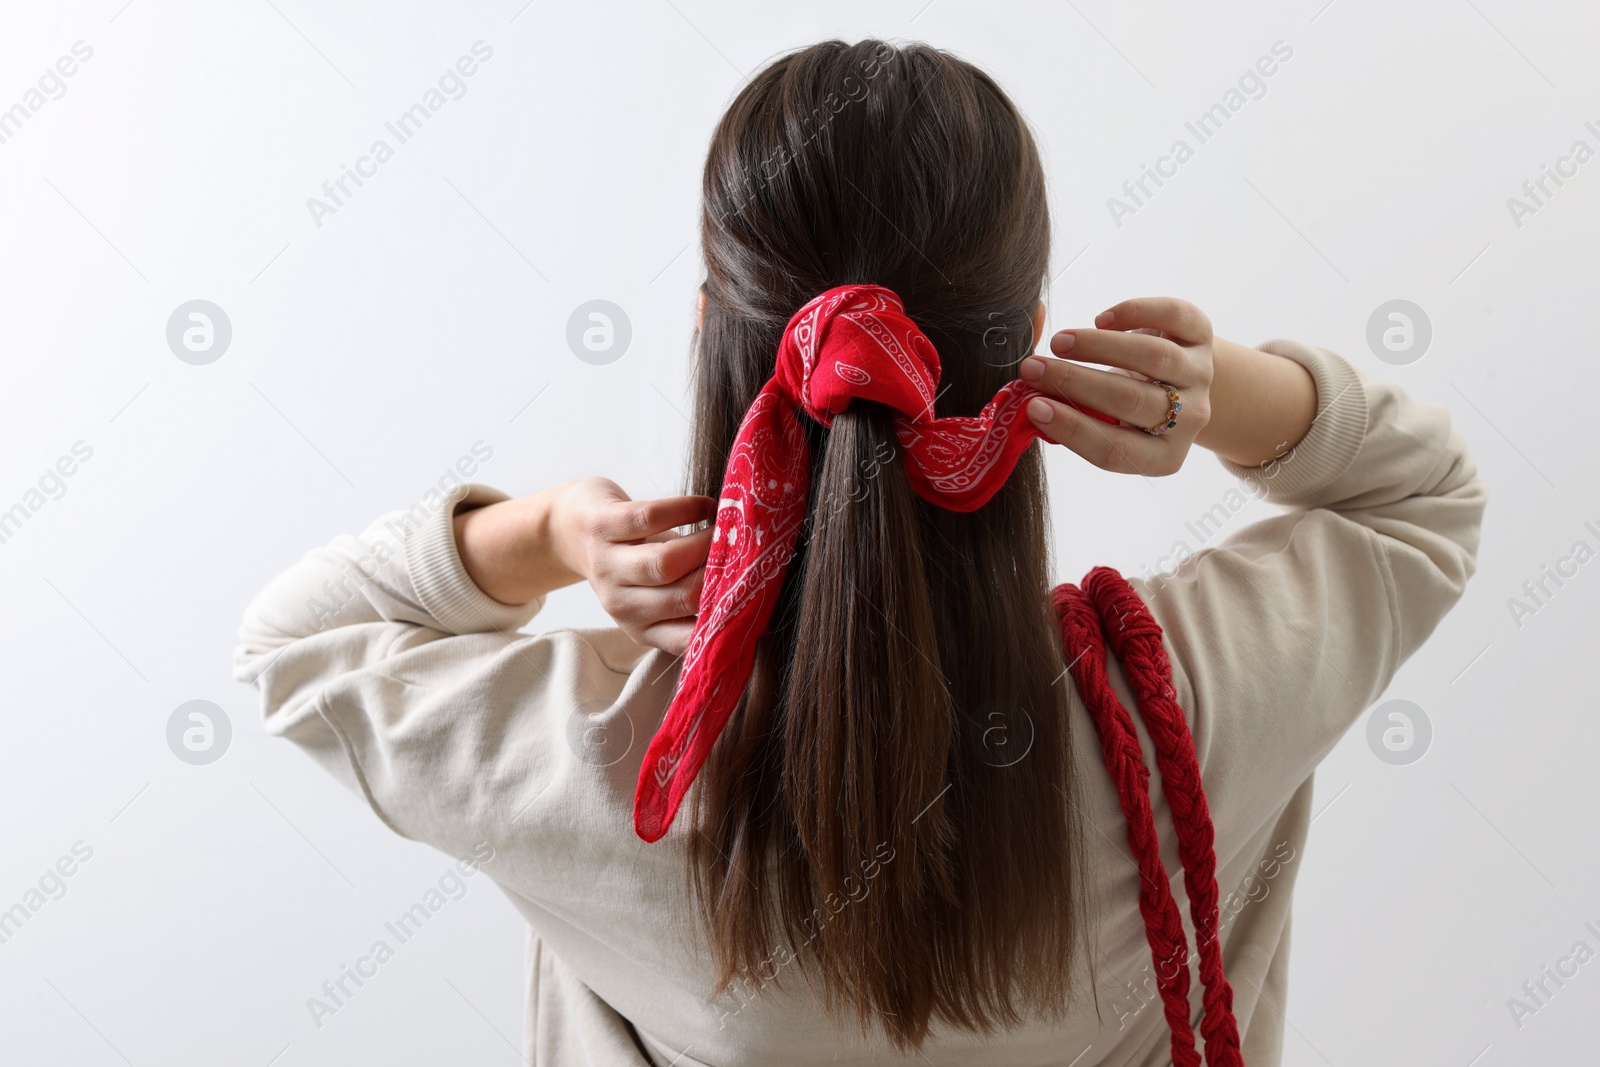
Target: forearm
405	567
1261	404
510	549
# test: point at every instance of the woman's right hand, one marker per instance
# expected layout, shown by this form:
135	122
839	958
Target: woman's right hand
1144	340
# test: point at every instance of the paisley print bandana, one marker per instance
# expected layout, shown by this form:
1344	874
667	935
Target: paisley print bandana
852	342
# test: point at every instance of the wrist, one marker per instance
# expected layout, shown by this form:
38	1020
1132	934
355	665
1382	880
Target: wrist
552	526
1261	405
513	550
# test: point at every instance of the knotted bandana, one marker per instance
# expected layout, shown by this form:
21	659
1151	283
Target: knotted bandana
852	342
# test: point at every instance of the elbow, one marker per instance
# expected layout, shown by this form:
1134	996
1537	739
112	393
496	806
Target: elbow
1461	499
1473	500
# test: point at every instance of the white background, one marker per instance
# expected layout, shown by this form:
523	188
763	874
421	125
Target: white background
369	353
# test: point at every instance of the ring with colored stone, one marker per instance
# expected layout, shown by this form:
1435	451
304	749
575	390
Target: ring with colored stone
1170	419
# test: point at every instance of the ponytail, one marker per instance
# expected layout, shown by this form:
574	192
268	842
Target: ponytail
870	724
888	815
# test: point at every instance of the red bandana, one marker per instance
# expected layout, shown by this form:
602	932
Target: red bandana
851	342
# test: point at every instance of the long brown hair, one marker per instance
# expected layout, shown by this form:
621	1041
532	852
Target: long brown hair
889	812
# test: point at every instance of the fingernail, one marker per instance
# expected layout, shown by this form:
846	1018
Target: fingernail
1105	318
1032	369
1062	342
1040	412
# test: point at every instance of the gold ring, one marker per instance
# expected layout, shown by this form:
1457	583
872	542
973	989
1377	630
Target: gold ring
1170	419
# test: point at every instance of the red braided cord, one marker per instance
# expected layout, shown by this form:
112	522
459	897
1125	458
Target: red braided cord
1135	639
1119	744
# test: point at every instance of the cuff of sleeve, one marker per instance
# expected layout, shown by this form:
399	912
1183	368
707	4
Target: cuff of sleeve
441	580
1300	475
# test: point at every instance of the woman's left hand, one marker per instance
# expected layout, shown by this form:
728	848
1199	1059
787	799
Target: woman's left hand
646	576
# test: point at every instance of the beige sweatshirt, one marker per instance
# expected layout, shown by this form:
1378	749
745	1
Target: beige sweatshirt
381	658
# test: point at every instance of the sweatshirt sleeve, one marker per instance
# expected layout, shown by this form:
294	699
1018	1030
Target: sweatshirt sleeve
380	657
1283	633
403	568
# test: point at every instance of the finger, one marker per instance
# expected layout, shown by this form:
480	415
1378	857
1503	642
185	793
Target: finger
654	563
634	520
672	637
1178	319
646	605
1119	449
1154	357
1130	399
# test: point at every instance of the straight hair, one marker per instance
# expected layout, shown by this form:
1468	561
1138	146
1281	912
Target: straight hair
889	811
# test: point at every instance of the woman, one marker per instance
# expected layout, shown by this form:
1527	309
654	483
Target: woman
902	841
